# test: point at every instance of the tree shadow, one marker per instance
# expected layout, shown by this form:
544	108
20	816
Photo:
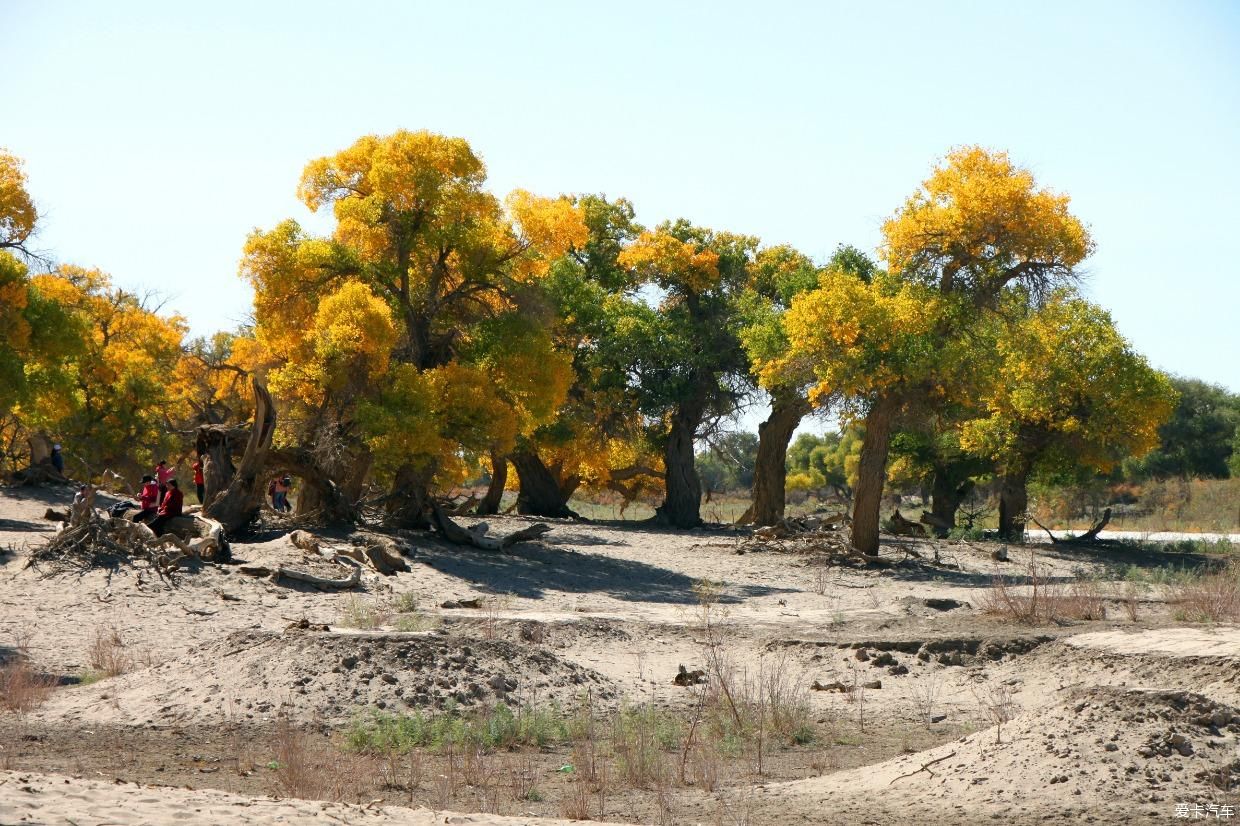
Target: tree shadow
579	539
25	525
530	570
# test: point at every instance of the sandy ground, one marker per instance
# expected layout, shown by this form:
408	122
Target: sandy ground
1097	713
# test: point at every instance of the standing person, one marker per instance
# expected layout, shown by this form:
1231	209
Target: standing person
169	508
58	460
148	498
280	496
198	481
163	474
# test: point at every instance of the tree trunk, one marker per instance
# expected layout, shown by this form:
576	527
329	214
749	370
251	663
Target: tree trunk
410	498
215	446
947	491
539	493
682	500
495	491
871	474
355	479
1013	503
40	448
770	470
238	504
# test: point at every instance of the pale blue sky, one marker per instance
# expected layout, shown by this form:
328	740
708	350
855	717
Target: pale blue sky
157	135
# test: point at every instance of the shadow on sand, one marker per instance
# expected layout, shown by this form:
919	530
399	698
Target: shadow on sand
531	570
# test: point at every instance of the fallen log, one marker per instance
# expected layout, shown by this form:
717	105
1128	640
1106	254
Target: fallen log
323	583
904	527
476	536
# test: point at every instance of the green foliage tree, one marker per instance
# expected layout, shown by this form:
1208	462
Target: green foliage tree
684	356
1198	440
779	275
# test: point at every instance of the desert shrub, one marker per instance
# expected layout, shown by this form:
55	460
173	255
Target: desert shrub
364	614
22	687
494	729
108	654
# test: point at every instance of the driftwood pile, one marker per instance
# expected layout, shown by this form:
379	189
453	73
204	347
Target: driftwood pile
335	569
815	534
89	538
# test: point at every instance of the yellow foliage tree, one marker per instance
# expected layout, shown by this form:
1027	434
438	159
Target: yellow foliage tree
119	405
1066	392
978	226
419	389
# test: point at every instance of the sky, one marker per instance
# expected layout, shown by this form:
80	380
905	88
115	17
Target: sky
158	135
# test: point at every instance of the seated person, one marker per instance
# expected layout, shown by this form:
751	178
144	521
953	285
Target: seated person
147	500
170	508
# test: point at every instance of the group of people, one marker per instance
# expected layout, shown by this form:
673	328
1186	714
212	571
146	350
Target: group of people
161	498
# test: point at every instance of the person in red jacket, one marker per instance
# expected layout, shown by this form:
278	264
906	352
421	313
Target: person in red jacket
162	474
170	508
147	499
198	481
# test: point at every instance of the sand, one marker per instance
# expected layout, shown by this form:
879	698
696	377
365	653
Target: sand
608	612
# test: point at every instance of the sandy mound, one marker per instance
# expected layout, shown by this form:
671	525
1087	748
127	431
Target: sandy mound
327	677
51	798
1137	753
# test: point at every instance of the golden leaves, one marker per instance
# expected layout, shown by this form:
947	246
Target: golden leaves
671	263
978	221
17	211
1065	379
861	337
548	227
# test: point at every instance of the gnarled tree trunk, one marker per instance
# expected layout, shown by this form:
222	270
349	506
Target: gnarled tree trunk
409	501
770	471
540	493
238	504
871	474
215	445
495	491
1013	503
319	491
682	500
947	491
41	468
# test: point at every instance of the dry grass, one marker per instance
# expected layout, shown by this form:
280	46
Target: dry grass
1041	600
107	653
22	688
316	772
1212	597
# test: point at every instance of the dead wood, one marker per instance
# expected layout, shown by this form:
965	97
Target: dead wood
904	527
323	583
927	518
462	507
304	540
1091	535
476	535
385	557
925	767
